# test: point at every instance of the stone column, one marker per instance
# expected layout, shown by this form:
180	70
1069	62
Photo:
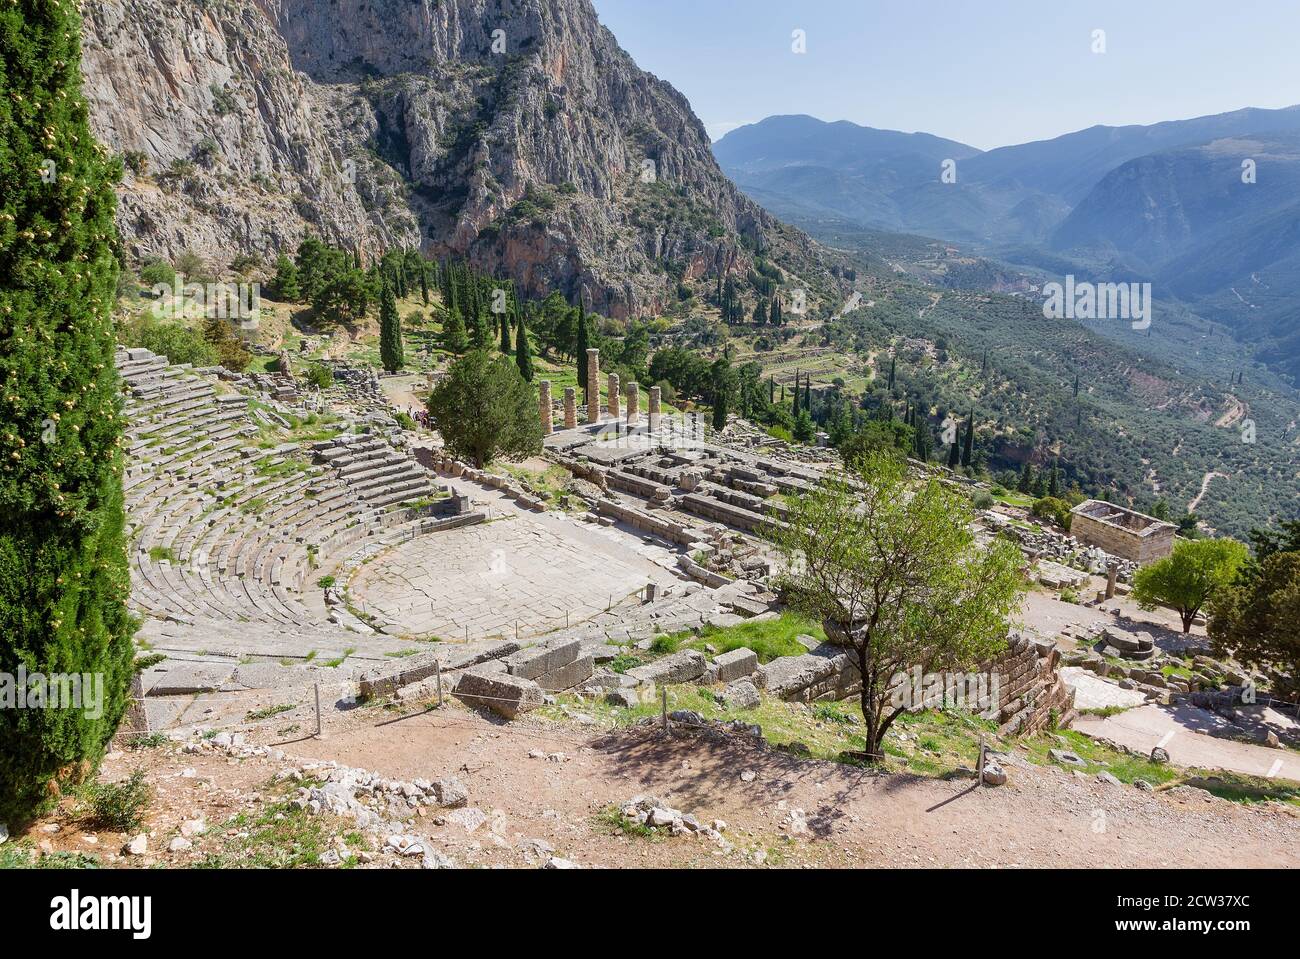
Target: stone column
593	386
613	397
544	406
654	409
1112	573
570	407
633	404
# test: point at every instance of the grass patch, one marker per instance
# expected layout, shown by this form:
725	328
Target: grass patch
769	639
612	822
277	837
158	554
151	741
22	856
1239	788
1123	766
260	714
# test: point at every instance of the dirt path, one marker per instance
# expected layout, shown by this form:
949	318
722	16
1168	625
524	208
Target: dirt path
1235	412
537	780
1043	817
1205	488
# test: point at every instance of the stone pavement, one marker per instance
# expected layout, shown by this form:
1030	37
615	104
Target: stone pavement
1093	692
520	567
1174	729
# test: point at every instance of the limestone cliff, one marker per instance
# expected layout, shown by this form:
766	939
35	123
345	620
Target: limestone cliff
516	133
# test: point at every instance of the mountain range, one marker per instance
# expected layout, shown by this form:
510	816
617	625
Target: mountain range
1205	209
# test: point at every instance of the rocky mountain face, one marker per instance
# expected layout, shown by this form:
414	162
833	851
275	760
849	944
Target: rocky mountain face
515	133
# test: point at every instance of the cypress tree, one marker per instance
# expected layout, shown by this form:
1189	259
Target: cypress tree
505	334
968	451
1054	483
63	562
893	368
580	349
454	337
954	454
390	330
795	408
1026	484
424	282
523	353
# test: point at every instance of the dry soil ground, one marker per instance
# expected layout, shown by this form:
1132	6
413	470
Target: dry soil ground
1042	817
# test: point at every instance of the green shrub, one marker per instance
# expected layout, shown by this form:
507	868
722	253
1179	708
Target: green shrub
320	376
177	342
154	272
1054	510
119	806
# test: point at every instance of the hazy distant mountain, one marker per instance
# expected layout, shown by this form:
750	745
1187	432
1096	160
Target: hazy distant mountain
1188	220
1002	198
1165	202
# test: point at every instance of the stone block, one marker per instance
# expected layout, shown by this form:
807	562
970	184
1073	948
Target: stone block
537	661
741	694
736	664
502	693
682	667
567	676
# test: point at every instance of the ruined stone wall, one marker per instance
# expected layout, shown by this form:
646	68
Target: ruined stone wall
1031	693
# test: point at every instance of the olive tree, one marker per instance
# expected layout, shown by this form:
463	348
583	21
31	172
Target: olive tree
1190	576
894	571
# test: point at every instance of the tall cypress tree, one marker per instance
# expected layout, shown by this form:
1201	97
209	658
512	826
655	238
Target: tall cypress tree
424	282
580	348
523	352
968	451
504	319
390	330
63	563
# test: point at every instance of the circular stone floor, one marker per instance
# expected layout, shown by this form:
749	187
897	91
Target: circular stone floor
489	576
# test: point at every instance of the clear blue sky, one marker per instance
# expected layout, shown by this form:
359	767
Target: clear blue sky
985	72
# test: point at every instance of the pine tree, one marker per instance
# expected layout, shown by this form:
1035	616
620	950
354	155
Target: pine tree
63	562
390	330
523	352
